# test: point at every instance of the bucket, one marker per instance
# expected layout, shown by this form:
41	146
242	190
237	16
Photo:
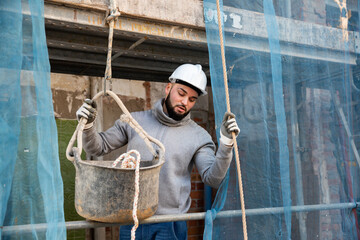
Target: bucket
106	194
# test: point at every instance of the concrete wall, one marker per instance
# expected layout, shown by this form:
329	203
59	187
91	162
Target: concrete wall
174	11
171	11
69	91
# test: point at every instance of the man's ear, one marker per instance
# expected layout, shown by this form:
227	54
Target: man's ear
167	89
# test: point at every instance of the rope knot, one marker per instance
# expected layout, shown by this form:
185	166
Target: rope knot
129	161
114	14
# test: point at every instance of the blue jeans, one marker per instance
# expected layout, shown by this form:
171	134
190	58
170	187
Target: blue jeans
156	231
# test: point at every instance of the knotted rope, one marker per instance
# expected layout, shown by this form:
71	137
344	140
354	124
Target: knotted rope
228	109
129	161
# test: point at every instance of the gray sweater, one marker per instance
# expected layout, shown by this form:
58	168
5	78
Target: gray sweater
186	144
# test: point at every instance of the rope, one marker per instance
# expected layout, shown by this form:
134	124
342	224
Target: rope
77	134
129	161
228	109
114	14
142	134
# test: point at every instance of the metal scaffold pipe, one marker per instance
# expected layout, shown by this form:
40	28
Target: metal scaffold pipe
8	230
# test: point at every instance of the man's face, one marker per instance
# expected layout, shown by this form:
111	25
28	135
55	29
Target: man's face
179	100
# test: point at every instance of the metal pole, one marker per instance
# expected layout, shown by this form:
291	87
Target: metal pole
8	230
297	162
342	117
134	45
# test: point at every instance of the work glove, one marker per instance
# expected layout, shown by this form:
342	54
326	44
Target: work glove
87	111
228	126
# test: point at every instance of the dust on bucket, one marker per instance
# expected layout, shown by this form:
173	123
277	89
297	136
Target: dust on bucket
106	194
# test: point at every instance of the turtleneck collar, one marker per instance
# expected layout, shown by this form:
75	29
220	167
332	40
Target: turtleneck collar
165	119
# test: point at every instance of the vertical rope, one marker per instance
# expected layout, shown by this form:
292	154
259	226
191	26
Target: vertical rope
108	71
228	109
114	14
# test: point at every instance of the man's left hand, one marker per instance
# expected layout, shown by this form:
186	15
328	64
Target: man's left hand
228	127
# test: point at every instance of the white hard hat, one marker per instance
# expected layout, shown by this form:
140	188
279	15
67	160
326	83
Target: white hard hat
192	75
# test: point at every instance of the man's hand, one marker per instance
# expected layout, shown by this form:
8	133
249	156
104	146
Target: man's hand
228	127
87	111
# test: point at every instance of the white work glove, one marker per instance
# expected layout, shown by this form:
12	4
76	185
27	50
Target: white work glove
228	126
87	111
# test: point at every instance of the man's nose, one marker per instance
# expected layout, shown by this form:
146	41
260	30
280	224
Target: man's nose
184	101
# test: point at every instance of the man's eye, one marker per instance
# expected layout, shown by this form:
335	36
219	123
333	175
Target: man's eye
181	94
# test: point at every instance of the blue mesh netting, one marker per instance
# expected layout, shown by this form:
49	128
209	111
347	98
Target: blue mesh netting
294	87
31	189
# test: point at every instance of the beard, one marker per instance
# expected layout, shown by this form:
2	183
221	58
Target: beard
171	110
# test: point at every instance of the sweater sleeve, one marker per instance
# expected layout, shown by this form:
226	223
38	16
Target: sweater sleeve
213	167
98	144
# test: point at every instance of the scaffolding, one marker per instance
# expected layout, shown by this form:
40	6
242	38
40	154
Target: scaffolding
148	48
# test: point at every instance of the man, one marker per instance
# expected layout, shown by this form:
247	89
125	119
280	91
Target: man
186	144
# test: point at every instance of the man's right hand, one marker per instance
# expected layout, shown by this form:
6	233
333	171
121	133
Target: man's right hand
87	111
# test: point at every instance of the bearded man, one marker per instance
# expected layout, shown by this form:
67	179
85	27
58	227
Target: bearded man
186	143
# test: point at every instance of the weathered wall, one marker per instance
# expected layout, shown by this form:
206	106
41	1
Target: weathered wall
68	92
174	11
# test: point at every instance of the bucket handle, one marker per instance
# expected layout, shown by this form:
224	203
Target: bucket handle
77	135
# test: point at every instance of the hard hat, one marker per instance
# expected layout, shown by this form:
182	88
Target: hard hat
192	75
